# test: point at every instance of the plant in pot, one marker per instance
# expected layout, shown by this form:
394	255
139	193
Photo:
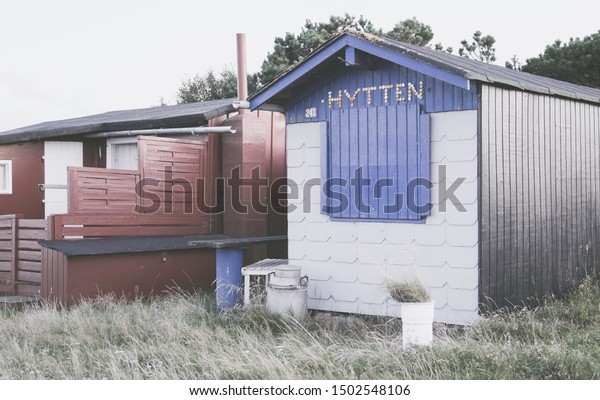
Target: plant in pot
416	308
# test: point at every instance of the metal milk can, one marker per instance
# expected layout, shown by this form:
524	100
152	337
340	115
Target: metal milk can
286	292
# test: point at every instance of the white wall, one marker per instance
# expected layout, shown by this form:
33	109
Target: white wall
348	262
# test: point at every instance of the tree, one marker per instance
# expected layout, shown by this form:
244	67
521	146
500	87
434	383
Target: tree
411	31
481	48
514	63
292	49
576	61
211	87
440	47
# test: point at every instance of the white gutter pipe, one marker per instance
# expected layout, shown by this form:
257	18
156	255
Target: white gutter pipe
166	131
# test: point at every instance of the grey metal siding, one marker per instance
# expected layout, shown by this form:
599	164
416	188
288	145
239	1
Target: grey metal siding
539	190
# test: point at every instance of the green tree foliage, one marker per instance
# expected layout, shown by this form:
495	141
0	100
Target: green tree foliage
577	61
440	47
411	31
514	63
292	48
481	48
211	86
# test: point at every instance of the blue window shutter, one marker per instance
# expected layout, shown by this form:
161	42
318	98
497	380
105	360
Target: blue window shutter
387	145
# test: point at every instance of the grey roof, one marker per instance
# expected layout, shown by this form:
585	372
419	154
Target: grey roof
181	115
490	73
470	69
142	244
130	244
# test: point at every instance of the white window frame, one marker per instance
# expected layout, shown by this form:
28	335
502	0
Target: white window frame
117	141
8	171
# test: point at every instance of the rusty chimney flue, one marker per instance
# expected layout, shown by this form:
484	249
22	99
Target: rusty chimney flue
242	77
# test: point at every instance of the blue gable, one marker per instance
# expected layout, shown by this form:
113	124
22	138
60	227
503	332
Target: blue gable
388	85
376	102
346	48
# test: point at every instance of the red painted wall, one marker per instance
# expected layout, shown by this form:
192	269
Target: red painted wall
68	280
259	142
28	172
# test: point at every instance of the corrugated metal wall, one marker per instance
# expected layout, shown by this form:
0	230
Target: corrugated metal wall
539	191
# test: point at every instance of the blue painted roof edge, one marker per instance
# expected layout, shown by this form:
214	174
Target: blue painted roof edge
336	44
448	66
410	63
296	72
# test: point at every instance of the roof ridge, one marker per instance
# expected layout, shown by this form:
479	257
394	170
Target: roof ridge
141	118
467	68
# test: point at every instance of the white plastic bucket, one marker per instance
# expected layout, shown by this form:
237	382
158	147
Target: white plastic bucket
286	292
417	324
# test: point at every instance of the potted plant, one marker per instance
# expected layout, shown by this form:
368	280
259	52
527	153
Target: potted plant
416	311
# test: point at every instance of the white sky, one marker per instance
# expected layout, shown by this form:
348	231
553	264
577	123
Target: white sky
63	58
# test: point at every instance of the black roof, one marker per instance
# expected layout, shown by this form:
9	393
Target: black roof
143	244
180	115
467	68
130	244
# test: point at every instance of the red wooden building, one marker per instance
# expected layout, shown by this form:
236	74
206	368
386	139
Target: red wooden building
142	183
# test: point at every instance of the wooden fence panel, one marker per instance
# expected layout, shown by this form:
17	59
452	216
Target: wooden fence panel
96	190
20	254
6	248
72	226
174	165
170	168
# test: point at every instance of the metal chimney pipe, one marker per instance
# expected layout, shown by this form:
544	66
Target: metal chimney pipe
242	78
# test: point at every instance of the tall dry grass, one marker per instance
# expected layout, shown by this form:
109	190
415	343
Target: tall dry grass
184	337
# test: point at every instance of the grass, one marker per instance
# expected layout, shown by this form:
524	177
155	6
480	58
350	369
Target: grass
408	292
183	337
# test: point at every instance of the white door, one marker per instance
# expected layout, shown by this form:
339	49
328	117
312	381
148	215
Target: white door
57	157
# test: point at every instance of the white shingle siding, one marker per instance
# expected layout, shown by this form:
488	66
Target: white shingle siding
312	156
348	263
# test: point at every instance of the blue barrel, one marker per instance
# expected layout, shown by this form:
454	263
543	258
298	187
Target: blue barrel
229	277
